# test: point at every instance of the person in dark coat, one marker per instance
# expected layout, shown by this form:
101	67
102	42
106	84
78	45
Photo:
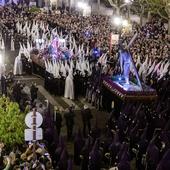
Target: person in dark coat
16	92
77	84
86	118
58	151
114	148
85	154
62	164
124	163
4	85
152	156
33	91
58	122
95	131
78	145
141	150
95	157
48	135
70	164
69	119
164	164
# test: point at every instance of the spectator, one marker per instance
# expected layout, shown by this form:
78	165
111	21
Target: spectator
86	118
58	121
69	119
3	85
33	92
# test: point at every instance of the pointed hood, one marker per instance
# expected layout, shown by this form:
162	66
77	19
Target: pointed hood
62	164
28	46
96	146
143	136
87	51
61	142
166	156
165	70
138	62
151	68
116	138
70	164
63	70
88	143
2	44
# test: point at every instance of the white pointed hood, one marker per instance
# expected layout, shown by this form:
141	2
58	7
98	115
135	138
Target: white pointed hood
152	68
63	70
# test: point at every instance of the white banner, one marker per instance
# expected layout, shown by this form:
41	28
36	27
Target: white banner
32	3
114	39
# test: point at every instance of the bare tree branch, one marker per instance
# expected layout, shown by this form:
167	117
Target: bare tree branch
162	16
112	4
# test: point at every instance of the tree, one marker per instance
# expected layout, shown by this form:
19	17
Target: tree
120	5
161	8
117	5
11	123
140	8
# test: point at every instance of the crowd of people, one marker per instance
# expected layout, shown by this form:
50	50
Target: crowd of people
139	134
85	29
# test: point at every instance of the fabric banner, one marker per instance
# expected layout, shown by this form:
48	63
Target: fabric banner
32	3
114	39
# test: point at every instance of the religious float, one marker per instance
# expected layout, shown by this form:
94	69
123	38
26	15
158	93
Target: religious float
126	87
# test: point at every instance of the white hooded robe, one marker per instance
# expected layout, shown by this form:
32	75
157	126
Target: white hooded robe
12	44
69	86
18	66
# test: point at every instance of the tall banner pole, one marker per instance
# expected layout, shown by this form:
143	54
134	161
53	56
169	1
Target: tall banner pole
110	48
34	133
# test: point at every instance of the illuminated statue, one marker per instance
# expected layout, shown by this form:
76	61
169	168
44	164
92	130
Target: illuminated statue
125	62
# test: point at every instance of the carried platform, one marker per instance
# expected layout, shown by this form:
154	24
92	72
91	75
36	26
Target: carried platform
129	92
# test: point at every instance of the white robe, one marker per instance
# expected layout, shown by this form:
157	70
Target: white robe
2	69
12	45
18	66
69	87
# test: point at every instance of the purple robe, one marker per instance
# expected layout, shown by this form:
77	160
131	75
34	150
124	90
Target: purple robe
95	157
62	164
78	145
164	164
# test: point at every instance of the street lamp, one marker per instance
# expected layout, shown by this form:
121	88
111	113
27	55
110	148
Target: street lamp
125	23
117	20
80	4
122	25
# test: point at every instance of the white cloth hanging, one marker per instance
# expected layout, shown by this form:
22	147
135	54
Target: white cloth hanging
2	69
69	86
63	70
18	66
12	44
57	70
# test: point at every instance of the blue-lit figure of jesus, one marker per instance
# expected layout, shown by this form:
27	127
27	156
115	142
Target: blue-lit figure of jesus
125	62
